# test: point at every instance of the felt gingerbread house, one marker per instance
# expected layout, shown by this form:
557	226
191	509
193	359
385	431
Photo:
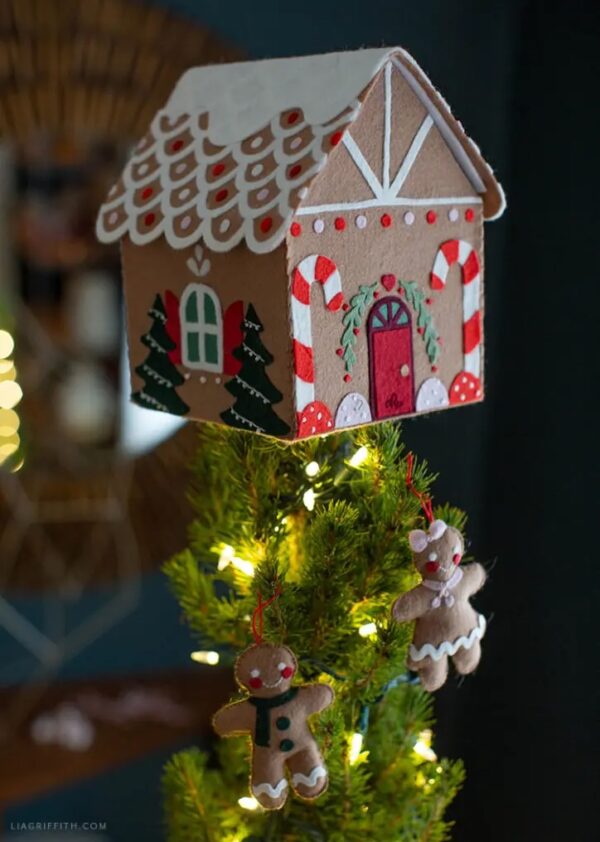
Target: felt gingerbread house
302	245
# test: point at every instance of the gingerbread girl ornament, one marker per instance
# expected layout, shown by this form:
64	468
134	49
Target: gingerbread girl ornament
446	624
275	717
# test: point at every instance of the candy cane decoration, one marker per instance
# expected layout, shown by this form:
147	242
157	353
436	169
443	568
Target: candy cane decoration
311	269
461	252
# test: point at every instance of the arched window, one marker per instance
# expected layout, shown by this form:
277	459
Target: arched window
201	328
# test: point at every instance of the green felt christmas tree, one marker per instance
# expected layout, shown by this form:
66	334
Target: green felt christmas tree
251	387
159	374
326	521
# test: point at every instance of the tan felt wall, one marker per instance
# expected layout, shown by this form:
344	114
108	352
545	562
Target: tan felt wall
234	275
362	257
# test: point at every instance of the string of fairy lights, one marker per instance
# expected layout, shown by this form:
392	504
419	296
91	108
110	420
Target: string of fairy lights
10	396
422	750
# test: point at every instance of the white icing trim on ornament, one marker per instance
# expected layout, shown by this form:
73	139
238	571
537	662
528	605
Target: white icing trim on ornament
309	780
395	202
447	647
271	791
444	589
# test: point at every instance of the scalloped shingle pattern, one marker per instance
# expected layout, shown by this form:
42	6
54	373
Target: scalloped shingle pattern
180	185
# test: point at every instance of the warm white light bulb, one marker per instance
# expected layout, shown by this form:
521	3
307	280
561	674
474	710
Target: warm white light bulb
226	557
243	566
367	629
202	657
312	469
7	344
248	802
359	457
356	744
422	747
309	499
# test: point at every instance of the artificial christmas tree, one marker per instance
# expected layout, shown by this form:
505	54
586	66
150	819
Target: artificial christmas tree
251	387
159	374
323	524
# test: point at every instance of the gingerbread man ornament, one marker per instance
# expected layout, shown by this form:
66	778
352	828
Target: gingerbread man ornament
275	717
446	624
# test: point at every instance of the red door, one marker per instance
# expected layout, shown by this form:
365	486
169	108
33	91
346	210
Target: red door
390	359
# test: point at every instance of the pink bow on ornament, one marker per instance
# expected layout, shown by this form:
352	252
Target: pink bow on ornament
418	539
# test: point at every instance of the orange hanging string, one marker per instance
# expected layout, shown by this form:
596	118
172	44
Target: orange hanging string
258	614
423	499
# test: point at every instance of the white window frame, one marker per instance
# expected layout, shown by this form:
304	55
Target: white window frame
201	328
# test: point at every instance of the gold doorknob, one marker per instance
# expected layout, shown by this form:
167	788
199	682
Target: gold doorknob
404	370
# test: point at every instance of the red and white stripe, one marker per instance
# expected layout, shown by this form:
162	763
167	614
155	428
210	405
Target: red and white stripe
461	252
325	272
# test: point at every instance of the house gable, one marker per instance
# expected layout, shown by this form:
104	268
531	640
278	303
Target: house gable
402	151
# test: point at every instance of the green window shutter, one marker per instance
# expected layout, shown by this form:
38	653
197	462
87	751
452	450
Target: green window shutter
191	308
193	346
211	348
210	312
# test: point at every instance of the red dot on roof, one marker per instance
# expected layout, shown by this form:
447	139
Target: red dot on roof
221	195
218	169
335	138
340	223
386	220
147	192
295	229
266	224
149	218
431	217
176	145
293	118
469	214
295	170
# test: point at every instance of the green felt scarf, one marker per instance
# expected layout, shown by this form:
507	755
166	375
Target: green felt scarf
262	731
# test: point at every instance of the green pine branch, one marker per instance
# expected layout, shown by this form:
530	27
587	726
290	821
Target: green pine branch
340	563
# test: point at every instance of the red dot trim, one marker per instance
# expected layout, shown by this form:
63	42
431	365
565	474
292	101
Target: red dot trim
295	229
347	378
147	192
218	169
221	195
176	145
469	214
149	218
295	170
434	368
386	220
266	224
340	352
431	217
335	138
340	223
293	118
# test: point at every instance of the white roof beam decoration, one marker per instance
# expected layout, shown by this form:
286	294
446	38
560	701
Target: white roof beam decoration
409	159
364	169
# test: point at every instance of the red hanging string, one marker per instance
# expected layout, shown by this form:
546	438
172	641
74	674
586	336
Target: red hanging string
423	499
257	616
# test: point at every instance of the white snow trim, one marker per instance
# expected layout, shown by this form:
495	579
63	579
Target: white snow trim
310	780
363	167
448	647
271	791
242	97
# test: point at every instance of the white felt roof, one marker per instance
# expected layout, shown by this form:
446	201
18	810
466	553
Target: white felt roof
242	97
